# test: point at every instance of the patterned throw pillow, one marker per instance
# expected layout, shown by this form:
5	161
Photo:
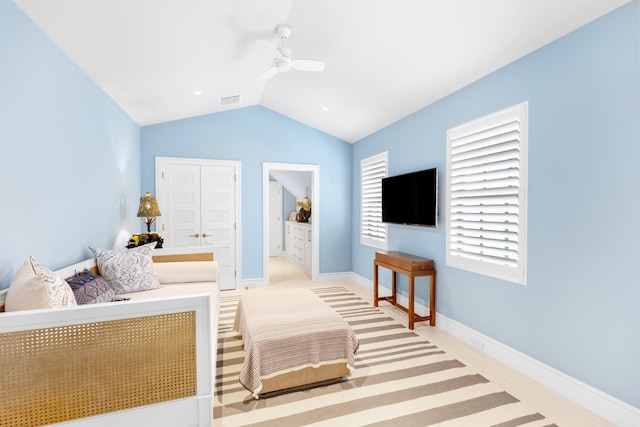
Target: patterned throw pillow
90	289
60	294
127	271
36	286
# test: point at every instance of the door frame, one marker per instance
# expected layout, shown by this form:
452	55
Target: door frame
236	164
280	249
315	215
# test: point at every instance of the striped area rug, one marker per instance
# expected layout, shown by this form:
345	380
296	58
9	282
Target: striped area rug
401	380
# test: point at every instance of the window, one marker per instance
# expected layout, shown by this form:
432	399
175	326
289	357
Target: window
486	195
373	231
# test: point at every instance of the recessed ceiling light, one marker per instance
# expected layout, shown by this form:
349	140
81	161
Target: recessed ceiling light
197	92
325	108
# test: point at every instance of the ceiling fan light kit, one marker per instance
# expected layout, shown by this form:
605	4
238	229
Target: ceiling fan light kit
283	66
283	62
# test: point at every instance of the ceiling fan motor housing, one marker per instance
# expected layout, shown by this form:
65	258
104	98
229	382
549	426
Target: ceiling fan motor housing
283	62
283	31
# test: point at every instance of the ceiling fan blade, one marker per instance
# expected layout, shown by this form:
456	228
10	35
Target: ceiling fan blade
272	71
307	65
269	45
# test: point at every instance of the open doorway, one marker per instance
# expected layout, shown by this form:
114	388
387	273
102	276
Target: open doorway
270	169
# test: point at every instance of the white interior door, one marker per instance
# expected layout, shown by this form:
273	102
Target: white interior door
199	205
180	206
275	218
218	219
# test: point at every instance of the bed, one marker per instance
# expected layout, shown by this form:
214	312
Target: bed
146	361
292	338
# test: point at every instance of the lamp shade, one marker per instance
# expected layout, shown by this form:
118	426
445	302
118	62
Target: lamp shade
148	206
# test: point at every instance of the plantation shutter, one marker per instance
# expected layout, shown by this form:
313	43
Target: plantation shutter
486	194
373	231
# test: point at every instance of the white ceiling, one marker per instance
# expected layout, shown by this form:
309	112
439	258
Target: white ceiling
385	59
298	183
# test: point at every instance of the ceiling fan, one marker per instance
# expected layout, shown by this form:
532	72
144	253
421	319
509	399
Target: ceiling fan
283	61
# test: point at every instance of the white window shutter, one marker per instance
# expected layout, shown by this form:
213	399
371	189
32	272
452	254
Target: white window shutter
486	195
373	231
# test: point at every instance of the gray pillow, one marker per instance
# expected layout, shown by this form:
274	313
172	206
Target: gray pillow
90	289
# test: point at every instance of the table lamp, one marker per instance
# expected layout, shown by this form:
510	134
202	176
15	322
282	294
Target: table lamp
148	209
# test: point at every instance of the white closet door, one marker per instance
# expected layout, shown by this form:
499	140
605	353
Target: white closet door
181	207
198	201
218	219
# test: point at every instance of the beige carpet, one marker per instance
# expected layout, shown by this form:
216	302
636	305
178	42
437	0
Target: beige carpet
401	380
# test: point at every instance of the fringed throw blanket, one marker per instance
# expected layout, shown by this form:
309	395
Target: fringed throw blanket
285	331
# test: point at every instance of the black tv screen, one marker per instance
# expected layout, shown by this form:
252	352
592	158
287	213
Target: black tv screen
411	199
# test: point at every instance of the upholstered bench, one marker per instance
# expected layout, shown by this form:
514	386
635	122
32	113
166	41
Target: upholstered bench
292	338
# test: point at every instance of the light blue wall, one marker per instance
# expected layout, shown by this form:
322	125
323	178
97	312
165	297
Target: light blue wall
70	157
579	310
255	135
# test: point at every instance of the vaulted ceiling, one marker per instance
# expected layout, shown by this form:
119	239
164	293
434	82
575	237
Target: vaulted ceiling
384	59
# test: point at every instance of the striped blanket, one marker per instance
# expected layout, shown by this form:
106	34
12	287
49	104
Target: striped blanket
288	330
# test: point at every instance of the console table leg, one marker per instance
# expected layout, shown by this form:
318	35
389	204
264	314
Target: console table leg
411	304
375	285
393	286
432	301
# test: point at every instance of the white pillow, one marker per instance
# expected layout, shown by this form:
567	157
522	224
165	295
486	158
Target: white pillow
36	286
186	271
127	271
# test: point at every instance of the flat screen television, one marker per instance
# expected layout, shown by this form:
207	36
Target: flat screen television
411	198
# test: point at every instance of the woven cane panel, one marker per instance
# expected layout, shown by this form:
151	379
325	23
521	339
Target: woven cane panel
57	374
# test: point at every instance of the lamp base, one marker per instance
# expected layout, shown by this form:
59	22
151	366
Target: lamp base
145	238
149	221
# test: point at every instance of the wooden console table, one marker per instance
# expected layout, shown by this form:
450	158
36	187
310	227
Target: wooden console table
412	266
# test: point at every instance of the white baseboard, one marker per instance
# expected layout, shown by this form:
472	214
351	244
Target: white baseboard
420	309
253	283
362	281
596	401
334	277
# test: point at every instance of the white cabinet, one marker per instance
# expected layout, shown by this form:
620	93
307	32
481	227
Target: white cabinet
298	243
307	248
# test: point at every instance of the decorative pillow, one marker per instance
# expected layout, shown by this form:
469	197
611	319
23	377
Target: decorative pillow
36	286
186	271
90	289
60	294
128	271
